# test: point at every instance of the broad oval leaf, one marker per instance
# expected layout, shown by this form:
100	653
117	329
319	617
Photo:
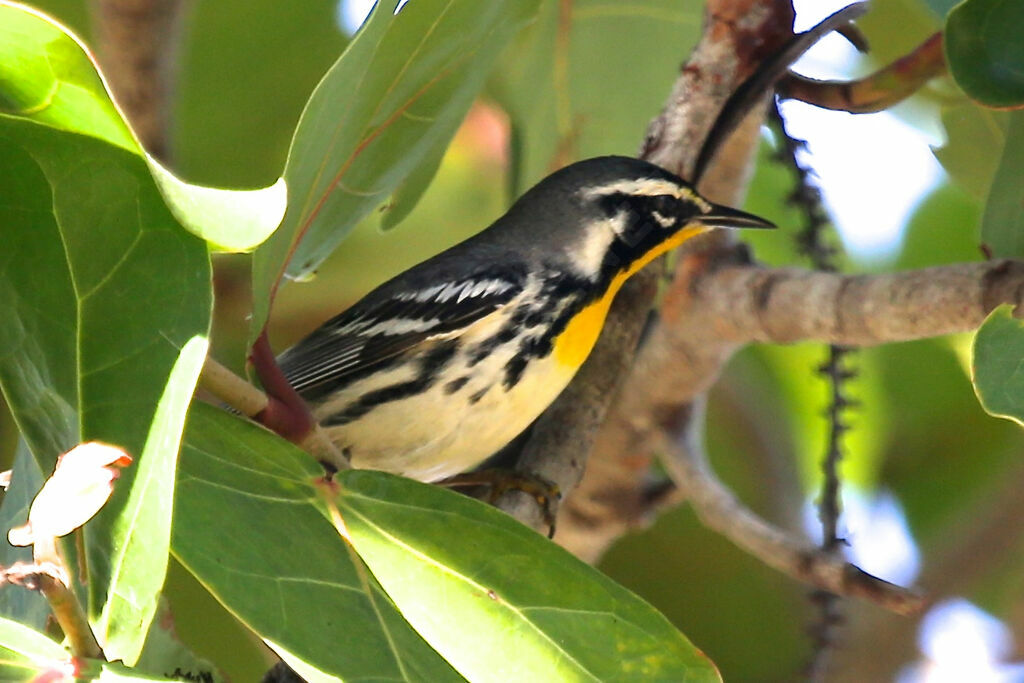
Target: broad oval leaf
379	118
249	527
106	304
985	53
997	366
47	75
497	600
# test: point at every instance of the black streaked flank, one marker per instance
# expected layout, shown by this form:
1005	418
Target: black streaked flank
431	366
455	385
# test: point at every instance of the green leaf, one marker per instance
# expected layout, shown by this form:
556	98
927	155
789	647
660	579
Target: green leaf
248	525
47	75
984	50
129	540
107	305
24	652
497	600
1002	224
24	606
997	367
975	139
29	656
569	97
164	654
378	117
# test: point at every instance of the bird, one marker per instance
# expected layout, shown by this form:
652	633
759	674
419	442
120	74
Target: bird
445	364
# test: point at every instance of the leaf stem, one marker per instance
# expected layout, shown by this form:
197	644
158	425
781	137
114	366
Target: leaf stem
70	616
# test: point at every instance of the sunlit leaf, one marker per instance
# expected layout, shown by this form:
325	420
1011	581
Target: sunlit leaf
499	601
984	50
30	657
998	365
249	528
101	343
24	653
378	119
48	76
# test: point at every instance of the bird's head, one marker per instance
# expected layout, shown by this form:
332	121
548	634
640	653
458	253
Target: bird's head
613	214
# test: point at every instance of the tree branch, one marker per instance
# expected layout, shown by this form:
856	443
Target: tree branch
708	313
720	511
138	41
753	304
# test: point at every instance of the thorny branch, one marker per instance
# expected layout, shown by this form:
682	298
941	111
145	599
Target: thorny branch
807	198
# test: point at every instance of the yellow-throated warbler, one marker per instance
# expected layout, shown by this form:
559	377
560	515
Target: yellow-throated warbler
445	364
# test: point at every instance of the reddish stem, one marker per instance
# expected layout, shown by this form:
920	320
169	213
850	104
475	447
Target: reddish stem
286	413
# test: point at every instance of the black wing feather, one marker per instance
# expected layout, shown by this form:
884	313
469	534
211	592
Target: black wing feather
370	333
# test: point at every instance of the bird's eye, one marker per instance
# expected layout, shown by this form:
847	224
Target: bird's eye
665	204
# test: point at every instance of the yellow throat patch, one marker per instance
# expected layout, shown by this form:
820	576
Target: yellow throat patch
575	343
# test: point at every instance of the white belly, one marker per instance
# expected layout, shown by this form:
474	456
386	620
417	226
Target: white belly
437	434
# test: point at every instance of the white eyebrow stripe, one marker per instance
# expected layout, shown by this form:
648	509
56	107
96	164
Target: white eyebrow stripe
647	186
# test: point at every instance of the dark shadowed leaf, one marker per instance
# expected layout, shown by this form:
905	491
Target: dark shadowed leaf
985	52
499	601
24	606
377	120
1002	224
249	527
107	305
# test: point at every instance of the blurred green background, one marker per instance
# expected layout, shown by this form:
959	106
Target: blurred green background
247	68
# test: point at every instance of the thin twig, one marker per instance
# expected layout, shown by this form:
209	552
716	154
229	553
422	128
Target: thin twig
876	92
49	578
751	91
720	511
71	617
238	394
233	390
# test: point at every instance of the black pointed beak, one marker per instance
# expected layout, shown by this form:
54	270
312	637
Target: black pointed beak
724	217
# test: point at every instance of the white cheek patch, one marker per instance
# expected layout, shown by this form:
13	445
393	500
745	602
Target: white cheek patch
589	252
664	221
